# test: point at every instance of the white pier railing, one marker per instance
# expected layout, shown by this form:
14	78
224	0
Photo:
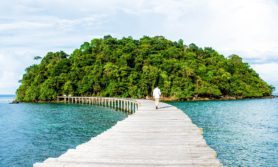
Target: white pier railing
127	105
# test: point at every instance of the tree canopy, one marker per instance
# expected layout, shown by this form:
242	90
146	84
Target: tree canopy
132	68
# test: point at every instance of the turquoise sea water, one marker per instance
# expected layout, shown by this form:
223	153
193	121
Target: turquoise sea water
33	132
243	132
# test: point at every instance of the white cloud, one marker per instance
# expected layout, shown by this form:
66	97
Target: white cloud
268	72
11	70
29	28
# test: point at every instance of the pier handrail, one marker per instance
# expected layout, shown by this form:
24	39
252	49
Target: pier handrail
123	104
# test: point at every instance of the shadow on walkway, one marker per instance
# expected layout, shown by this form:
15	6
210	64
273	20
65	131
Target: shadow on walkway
164	107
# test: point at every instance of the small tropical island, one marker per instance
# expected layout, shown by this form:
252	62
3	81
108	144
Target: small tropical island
132	68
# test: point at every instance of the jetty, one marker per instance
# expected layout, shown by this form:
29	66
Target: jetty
147	137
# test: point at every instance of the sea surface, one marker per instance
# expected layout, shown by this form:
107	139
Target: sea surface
31	133
242	132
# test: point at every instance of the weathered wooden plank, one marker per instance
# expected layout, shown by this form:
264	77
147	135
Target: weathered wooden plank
149	137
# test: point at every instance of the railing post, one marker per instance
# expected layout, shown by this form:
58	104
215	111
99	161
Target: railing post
117	103
127	105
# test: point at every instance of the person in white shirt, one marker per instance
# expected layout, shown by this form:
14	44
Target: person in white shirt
156	95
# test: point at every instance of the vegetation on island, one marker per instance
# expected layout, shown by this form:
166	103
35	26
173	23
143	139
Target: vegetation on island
132	68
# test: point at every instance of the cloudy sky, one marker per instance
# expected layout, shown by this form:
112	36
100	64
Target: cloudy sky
30	28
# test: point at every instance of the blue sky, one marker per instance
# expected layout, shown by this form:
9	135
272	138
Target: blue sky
30	28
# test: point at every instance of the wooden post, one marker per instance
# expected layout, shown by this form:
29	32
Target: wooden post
117	103
123	106
129	105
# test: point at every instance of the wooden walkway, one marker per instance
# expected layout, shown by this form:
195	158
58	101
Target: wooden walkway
149	137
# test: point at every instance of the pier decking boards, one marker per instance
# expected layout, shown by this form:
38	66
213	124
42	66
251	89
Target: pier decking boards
149	137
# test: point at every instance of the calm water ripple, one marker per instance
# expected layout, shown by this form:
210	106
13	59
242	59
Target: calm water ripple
33	132
243	132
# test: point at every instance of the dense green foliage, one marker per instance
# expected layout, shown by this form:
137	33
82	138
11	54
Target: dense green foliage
131	68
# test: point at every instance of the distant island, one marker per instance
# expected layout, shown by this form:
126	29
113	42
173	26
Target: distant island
132	68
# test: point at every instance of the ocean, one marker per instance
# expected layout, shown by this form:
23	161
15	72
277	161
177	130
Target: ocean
242	132
32	132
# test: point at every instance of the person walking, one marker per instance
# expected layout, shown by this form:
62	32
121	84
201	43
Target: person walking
156	95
